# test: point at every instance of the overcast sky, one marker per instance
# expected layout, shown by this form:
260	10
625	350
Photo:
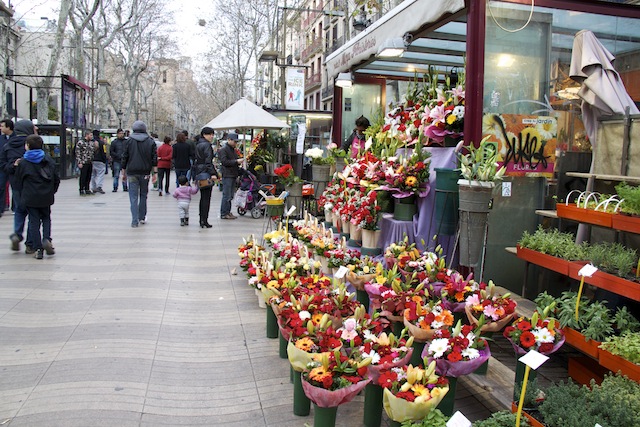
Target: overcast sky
188	33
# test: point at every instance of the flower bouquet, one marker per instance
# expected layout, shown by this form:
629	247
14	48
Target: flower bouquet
362	271
456	290
365	216
396	250
539	333
445	119
341	256
286	176
423	320
498	310
409	176
386	352
357	328
410	393
249	251
309	346
316	155
457	351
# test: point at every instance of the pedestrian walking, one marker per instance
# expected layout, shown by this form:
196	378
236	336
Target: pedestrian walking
165	155
6	130
182	156
140	158
230	170
183	196
85	150
99	163
14	149
203	169
116	151
38	180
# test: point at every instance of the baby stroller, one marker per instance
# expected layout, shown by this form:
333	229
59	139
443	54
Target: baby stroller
248	196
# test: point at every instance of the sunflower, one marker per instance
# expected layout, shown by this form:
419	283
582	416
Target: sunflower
305	344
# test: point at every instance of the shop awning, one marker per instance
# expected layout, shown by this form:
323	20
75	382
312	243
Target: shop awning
411	16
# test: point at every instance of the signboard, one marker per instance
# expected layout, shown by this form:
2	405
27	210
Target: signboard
526	143
294	99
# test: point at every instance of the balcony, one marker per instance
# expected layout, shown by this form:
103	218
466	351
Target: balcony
334	46
312	82
311	17
327	93
312	49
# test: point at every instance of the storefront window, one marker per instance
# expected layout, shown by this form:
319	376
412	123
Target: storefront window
527	61
359	100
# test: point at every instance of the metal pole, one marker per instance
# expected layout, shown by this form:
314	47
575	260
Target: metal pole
284	55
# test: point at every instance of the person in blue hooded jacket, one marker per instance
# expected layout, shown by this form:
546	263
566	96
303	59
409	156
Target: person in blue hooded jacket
37	177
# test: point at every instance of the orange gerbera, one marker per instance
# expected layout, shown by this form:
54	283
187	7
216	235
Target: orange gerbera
305	344
319	374
411	181
316	318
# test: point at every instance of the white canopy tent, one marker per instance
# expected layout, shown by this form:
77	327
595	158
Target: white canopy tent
246	115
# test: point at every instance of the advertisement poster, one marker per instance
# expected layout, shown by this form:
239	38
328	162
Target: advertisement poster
526	143
294	99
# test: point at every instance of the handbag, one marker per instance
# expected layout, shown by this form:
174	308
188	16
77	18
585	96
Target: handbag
204	180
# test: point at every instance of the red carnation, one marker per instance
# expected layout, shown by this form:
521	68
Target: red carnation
454	357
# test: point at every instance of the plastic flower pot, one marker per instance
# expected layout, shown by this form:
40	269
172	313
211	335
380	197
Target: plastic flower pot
363	298
549	262
447	402
372	405
282	349
576	340
301	403
405	208
272	323
446	206
324	417
320	173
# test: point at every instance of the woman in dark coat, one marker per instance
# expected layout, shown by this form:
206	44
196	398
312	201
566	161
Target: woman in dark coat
203	165
182	156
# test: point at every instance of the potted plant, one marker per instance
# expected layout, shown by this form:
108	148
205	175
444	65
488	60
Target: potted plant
622	353
501	419
292	184
339	157
629	220
320	165
589	207
479	170
550	249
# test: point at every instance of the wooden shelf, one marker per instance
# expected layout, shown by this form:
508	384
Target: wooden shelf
547	213
604	177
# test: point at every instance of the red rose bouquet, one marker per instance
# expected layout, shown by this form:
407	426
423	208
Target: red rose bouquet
365	215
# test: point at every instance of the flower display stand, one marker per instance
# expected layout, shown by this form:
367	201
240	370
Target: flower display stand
446	204
405	208
373	405
625	222
272	323
449	399
295	196
549	262
588	216
475	199
301	403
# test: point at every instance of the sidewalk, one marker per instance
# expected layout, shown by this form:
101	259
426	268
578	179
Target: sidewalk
142	326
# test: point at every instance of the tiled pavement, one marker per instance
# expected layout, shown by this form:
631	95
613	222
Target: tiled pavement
142	327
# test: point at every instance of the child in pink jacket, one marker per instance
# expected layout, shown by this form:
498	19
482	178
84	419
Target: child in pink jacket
183	195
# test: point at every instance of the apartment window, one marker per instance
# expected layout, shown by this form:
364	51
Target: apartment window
164	76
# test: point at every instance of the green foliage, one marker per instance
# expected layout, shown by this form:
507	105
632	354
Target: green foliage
532	396
553	242
613	258
626	346
275	141
544	300
434	418
614	403
595	320
480	164
501	419
625	321
631	196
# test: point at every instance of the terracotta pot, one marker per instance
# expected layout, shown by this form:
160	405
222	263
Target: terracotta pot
576	340
587	216
549	262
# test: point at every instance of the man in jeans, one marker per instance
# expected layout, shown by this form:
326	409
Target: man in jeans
140	158
116	151
230	164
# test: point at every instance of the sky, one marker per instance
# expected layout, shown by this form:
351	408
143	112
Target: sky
185	13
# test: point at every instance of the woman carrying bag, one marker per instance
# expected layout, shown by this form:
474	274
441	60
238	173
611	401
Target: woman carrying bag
203	171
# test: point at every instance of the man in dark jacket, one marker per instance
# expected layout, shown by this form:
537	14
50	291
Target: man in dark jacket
140	158
6	130
182	156
12	151
99	164
230	165
37	176
116	151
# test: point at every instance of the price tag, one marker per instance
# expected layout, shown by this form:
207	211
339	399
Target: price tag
588	270
291	210
458	420
341	272
533	359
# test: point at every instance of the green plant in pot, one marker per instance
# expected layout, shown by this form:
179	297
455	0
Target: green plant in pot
613	258
553	242
626	346
631	198
501	419
481	164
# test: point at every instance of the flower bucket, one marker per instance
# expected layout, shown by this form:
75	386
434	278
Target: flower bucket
295	196
370	238
328	215
385	201
324	417
321	173
449	399
475	199
340	164
372	405
405	208
446	205
301	403
355	235
337	223
272	323
324	265
346	229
